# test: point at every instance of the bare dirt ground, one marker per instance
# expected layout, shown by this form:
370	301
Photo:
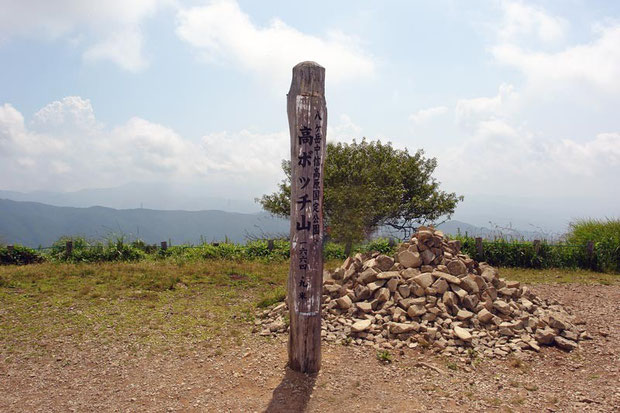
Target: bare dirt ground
253	376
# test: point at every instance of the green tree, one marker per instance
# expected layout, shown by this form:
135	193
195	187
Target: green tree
369	185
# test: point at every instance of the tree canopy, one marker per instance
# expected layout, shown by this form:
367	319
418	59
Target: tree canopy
369	185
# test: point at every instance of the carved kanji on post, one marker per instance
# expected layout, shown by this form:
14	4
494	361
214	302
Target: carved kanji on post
307	117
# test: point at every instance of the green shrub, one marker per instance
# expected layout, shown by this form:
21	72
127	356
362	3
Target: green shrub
20	255
605	234
382	245
95	251
570	254
333	251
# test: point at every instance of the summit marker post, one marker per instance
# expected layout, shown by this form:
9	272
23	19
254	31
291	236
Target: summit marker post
307	119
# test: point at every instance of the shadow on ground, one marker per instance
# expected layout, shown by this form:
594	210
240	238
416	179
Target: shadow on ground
293	393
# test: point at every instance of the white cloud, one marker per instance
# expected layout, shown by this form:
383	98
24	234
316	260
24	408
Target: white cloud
113	24
555	137
224	34
471	111
344	130
587	158
535	43
498	153
424	115
595	64
123	47
66	148
522	21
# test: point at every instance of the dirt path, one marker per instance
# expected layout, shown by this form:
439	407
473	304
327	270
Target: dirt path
253	376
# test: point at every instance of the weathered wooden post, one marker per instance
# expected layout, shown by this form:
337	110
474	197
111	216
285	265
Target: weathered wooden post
69	248
307	118
270	245
479	249
536	246
590	253
164	245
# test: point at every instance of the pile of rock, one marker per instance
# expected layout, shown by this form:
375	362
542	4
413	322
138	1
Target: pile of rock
432	295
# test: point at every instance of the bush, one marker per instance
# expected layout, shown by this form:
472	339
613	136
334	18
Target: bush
382	245
571	254
606	237
95	251
19	256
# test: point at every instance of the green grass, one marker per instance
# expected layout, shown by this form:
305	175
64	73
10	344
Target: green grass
605	234
154	305
384	357
555	275
150	304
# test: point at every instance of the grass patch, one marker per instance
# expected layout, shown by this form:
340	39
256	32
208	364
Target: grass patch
384	356
148	304
271	297
452	365
555	275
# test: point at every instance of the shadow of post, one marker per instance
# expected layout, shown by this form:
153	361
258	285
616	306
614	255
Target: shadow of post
293	392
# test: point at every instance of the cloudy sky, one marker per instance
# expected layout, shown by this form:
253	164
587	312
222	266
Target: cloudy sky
518	101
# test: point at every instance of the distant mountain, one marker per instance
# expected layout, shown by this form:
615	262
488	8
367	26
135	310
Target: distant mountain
154	196
34	224
455	227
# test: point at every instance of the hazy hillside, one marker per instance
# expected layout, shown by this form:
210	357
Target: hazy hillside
34	224
153	196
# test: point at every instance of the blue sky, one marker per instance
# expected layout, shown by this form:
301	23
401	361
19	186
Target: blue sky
517	100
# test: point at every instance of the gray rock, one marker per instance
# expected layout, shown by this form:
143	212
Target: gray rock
564	343
416	310
456	267
404	290
364	306
386	275
409	259
502	306
384	262
464	315
441	286
400	328
360	326
462	334
344	302
392	284
544	336
424	280
383	295
448	277
427	257
367	276
485	316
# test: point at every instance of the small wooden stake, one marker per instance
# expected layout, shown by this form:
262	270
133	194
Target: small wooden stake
479	249
69	248
307	118
590	252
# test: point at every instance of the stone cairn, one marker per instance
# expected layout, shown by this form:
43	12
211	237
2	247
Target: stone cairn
431	295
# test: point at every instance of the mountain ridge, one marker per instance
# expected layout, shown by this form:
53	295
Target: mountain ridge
38	224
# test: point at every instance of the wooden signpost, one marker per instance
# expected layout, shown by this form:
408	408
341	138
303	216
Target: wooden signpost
307	118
